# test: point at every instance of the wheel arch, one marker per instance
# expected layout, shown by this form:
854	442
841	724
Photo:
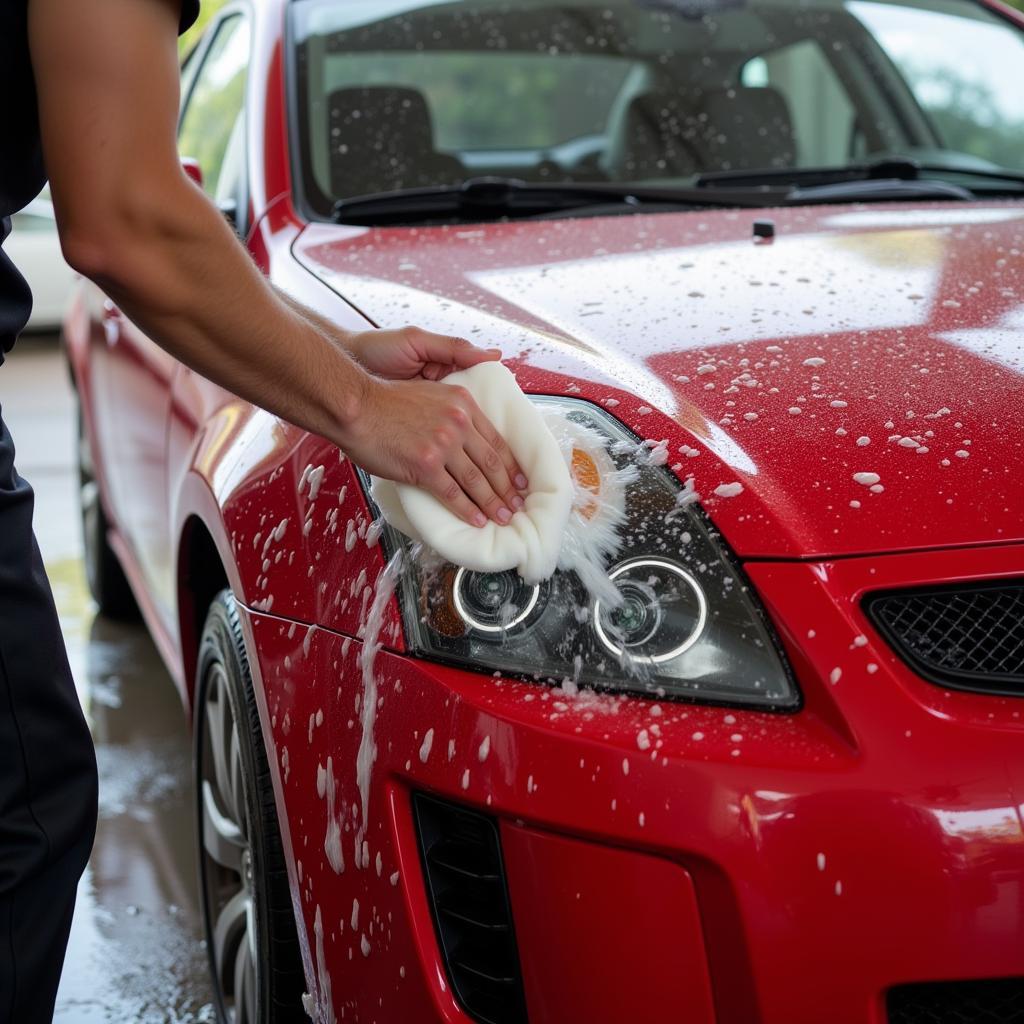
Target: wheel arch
201	576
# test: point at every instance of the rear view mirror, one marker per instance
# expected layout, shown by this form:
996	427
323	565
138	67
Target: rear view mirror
192	169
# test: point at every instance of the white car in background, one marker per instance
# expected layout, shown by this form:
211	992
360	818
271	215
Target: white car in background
34	248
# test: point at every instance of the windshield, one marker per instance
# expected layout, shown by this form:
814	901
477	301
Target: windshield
398	94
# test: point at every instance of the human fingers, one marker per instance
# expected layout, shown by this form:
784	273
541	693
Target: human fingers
449	492
480	490
497	444
464	415
448	350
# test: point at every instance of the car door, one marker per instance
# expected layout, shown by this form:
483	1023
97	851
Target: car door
141	374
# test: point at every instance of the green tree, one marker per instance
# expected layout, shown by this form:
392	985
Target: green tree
967	114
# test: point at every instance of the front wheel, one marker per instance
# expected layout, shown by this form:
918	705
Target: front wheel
246	903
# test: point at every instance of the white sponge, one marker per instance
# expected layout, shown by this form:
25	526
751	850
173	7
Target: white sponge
531	542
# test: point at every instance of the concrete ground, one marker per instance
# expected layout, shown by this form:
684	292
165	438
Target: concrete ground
135	956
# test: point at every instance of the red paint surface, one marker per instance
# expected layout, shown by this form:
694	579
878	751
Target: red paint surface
907	790
912	310
607	935
910	792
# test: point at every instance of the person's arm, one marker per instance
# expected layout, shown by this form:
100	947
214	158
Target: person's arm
403	354
129	219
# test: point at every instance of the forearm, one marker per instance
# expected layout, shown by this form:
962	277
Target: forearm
131	220
340	336
185	280
354	344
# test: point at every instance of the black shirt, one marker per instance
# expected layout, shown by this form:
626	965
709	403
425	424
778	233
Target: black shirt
22	173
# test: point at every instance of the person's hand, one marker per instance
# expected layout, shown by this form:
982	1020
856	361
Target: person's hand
434	436
411	352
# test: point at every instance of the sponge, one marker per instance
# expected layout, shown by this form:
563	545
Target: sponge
530	543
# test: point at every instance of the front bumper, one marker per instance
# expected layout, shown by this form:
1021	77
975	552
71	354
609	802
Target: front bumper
747	867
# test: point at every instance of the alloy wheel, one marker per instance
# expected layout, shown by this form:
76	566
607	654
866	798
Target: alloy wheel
228	876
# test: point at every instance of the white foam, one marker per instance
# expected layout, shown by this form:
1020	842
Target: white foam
368	710
314	477
326	788
325	999
428	742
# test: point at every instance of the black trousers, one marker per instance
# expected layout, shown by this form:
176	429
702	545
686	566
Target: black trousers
48	780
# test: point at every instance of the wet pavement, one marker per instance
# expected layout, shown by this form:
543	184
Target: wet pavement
135	953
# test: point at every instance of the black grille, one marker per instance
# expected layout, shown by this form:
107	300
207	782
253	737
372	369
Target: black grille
970	636
958	1002
461	854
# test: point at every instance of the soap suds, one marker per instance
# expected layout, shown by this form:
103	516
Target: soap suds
368	709
867	479
314	477
729	490
326	788
428	742
325	999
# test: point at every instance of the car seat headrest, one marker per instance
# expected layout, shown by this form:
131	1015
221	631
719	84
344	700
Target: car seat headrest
382	139
660	133
678	134
747	127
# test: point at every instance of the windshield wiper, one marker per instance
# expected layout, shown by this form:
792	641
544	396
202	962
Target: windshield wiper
484	198
897	172
510	197
799	177
877	189
994	174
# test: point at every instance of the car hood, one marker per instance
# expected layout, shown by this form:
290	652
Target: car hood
882	340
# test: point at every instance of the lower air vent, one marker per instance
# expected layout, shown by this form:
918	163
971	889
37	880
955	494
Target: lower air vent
968	637
465	877
958	1002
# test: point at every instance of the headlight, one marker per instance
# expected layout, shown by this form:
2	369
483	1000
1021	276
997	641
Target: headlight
660	615
670	614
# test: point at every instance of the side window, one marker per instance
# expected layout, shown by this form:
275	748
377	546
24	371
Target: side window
212	125
960	66
822	114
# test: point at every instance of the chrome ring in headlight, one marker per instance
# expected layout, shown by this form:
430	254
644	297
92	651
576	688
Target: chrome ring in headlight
644	613
479	598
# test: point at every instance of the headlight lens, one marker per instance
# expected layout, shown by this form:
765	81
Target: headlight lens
671	615
662	612
493	602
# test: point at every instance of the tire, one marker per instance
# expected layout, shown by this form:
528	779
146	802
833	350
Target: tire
248	918
107	582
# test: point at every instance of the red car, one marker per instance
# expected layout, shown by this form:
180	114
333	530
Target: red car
769	252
